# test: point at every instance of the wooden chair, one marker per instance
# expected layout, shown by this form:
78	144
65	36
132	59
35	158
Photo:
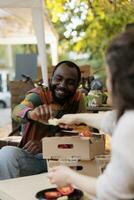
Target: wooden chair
18	90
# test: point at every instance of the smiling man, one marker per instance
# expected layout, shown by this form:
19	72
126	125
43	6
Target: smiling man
33	112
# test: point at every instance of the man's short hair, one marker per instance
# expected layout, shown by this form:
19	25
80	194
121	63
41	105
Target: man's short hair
71	65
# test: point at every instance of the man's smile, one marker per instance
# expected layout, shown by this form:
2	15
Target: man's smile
60	92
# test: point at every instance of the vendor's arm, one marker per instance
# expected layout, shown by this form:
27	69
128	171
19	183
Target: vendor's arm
117	181
104	121
62	176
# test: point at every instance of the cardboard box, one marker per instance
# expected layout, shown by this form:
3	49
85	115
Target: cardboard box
87	167
67	147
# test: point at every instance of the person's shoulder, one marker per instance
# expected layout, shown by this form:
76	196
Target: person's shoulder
109	121
78	96
123	137
38	90
125	125
127	118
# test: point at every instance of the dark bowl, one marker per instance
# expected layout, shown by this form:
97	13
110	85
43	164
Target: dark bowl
76	195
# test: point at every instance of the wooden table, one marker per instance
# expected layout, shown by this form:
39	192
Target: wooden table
25	188
99	108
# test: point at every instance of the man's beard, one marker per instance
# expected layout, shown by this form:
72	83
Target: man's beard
61	100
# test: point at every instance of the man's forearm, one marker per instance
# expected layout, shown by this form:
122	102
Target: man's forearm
19	113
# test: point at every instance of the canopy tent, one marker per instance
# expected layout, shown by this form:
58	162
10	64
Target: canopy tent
20	20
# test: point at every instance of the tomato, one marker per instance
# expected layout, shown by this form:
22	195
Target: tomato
66	190
86	133
52	194
65	146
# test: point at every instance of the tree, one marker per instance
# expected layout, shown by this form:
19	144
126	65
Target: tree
88	25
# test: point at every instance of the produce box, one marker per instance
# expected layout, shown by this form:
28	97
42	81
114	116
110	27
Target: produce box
73	146
85	167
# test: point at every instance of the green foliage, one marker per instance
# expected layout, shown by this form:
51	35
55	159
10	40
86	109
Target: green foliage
103	20
56	7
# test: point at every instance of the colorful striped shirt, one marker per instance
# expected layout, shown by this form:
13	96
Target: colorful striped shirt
34	130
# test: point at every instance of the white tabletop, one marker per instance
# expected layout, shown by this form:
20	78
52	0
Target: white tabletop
24	188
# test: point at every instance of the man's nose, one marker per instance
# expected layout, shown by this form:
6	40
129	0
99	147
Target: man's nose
63	84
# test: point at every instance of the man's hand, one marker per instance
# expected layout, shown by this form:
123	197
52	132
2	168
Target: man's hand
41	113
33	147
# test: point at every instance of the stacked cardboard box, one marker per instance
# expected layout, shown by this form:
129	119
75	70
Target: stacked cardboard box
85	167
60	149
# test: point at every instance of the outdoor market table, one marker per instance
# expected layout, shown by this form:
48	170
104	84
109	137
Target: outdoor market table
24	188
99	108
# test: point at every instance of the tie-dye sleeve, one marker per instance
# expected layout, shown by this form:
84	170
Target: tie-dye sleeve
31	101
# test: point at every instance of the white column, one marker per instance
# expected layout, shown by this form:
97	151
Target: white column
9	56
37	16
54	52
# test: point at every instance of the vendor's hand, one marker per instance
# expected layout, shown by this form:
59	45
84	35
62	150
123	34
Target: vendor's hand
33	147
60	175
40	113
68	121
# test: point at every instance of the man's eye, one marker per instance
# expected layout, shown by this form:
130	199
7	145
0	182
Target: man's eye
58	79
72	82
